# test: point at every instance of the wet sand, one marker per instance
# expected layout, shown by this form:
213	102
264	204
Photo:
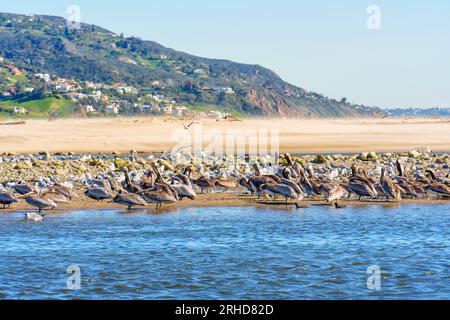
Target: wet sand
296	136
229	199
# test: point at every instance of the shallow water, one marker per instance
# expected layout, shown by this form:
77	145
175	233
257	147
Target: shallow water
229	253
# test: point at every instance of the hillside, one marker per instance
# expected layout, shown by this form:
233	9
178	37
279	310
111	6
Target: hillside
144	71
420	113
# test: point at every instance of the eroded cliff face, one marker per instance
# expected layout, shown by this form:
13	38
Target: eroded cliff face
272	104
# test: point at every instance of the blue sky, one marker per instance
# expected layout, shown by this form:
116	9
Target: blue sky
319	45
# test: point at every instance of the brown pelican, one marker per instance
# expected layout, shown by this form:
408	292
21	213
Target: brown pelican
436	185
305	184
40	202
290	164
408	188
7	198
434	178
258	180
148	182
204	184
336	193
314	181
245	183
98	194
225	184
406	183
439	188
289	181
100	183
113	184
391	190
361	186
65	191
130	185
56	197
274	189
23	188
129	199
183	187
162	195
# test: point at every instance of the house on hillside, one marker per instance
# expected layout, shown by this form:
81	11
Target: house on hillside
113	108
77	96
89	109
181	111
168	110
199	71
127	90
19	110
43	76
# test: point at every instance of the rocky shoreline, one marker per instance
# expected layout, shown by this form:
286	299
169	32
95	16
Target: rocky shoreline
80	171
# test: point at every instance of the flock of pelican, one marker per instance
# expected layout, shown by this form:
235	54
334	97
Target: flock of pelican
290	182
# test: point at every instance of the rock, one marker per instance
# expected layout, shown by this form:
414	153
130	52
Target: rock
45	155
141	161
372	156
425	150
165	164
60	172
122	163
301	161
414	154
23	165
363	156
320	159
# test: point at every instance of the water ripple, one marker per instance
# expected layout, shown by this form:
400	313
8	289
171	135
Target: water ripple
229	253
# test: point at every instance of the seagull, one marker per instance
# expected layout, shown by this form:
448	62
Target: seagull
187	126
35	217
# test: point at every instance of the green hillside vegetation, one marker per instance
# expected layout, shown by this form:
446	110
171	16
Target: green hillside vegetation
43	44
41	108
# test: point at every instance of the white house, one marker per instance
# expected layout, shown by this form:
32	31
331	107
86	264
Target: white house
89	109
199	71
113	108
181	111
19	110
43	76
168	110
127	90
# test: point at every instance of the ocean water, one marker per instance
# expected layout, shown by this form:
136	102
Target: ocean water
229	253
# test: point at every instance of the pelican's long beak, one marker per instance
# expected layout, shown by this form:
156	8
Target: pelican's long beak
26	195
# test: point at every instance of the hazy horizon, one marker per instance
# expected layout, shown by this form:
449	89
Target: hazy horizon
322	46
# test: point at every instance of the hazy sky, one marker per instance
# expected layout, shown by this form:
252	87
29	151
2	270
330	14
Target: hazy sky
319	45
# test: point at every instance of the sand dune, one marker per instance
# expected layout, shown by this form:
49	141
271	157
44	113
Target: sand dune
155	134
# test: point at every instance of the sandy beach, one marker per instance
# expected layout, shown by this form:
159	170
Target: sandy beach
155	134
228	199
